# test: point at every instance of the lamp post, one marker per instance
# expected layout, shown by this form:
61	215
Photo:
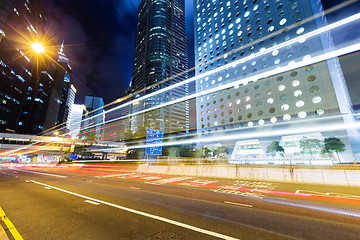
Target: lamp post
28	121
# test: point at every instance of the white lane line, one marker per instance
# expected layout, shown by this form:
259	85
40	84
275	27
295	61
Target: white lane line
184	225
135	188
239	204
47	187
41	173
92	202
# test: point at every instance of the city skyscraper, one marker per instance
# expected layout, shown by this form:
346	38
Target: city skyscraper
75	119
21	23
160	54
93	118
230	34
61	96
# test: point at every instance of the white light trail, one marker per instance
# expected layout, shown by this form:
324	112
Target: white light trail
240	61
254	134
317	59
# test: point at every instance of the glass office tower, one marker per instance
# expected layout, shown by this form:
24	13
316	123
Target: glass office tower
232	42
160	55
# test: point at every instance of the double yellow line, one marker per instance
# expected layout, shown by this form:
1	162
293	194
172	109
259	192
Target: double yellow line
9	225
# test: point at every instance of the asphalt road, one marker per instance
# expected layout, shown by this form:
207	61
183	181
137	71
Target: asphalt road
83	205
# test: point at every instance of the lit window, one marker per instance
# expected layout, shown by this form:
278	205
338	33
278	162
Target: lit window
281	88
275	52
302	114
270	101
283	21
261	122
300	30
248	106
287	117
297	93
300	103
250	124
316	99
273	119
295	83
285	107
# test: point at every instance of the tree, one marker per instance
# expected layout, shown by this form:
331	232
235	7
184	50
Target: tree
206	152
333	144
310	145
274	148
221	151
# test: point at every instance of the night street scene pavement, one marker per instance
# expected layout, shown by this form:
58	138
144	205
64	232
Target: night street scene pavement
179	119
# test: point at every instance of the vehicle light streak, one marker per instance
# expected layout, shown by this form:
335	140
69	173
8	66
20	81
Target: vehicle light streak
240	61
254	134
314	60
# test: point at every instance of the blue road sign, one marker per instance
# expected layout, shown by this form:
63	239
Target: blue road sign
153	136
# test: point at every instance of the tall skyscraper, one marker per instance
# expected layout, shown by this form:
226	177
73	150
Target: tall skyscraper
57	109
229	34
75	119
160	53
93	117
21	23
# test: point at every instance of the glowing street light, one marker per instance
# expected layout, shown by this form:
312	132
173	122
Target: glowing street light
56	133
38	47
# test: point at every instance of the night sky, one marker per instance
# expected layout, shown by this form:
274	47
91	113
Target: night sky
99	40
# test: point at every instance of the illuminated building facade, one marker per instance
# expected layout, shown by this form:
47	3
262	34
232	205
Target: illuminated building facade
20	22
93	115
62	95
231	33
160	54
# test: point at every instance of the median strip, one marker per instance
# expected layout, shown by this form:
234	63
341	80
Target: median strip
166	220
16	235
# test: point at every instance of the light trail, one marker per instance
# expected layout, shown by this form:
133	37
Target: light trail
316	32
314	60
254	134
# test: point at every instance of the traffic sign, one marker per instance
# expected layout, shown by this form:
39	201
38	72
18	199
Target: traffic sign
153	136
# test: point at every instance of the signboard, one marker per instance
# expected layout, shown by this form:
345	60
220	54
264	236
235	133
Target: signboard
153	136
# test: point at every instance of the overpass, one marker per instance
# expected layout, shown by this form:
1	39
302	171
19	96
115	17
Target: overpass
12	146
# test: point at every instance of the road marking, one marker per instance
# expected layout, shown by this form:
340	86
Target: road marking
10	226
166	220
135	188
41	173
92	202
331	194
47	187
239	204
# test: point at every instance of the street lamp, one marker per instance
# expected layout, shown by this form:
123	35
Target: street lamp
38	47
56	133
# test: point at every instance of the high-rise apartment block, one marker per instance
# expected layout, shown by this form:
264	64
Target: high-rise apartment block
232	39
160	56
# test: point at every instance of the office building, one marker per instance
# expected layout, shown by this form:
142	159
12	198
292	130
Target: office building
75	119
160	56
93	119
21	23
234	37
